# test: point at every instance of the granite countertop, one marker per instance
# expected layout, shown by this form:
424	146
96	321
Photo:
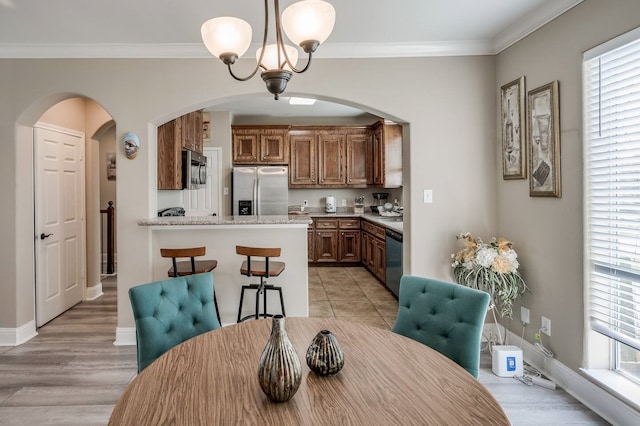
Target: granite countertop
394	223
226	220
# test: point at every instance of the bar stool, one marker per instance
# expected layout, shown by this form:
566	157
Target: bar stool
263	269
190	267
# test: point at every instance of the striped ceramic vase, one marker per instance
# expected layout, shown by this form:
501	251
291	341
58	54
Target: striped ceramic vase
280	371
324	355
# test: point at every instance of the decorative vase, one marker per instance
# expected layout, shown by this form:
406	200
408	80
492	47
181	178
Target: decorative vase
280	371
324	354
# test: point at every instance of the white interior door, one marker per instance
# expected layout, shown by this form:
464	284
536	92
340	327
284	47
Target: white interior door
206	201
59	221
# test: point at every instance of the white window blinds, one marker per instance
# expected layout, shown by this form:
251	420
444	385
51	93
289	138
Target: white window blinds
612	197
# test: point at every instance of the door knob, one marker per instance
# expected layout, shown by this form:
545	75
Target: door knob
43	236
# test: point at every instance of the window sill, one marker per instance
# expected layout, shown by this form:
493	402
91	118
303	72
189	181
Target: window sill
616	384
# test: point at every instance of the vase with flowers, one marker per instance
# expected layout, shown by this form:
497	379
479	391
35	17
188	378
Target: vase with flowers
491	267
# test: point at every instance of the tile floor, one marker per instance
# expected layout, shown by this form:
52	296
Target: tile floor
350	293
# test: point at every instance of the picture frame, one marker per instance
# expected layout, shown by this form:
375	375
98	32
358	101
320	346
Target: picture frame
513	119
543	131
111	166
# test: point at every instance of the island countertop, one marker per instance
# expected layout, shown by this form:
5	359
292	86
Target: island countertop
225	221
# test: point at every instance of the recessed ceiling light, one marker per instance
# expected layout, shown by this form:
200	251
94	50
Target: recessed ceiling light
301	101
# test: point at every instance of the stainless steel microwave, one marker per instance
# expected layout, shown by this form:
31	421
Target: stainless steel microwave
194	170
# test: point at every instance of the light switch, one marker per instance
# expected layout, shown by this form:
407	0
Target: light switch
428	196
225	191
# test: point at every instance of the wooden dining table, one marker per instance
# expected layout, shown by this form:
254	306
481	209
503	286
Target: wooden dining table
387	379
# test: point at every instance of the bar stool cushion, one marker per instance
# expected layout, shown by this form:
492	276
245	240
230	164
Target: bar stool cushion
171	311
445	316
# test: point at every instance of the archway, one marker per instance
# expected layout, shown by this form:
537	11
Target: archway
81	114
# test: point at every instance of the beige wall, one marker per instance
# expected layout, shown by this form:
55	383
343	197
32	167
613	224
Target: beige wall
548	231
449	103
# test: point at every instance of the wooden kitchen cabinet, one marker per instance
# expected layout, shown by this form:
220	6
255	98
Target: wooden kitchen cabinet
184	132
191	131
335	241
387	155
349	241
374	249
303	169
326	240
265	145
359	159
330	157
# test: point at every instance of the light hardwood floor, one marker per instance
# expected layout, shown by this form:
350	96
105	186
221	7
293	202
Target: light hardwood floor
72	374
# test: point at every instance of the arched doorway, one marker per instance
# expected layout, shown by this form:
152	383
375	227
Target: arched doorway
80	116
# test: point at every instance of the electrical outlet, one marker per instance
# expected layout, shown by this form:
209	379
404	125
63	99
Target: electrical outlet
344	203
545	326
524	315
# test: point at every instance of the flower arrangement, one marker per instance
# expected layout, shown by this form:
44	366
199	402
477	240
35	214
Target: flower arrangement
490	267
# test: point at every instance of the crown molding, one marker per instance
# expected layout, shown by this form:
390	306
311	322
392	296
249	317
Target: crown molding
511	35
197	50
540	17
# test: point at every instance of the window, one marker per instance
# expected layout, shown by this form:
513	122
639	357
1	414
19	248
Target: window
611	78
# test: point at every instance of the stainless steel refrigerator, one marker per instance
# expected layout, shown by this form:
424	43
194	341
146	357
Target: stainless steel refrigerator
260	191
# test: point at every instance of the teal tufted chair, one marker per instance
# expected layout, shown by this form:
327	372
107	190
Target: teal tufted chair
171	311
445	316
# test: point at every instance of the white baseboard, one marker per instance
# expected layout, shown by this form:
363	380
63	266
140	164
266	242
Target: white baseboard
125	336
603	403
17	336
93	292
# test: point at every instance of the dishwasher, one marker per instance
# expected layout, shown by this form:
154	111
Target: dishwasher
393	260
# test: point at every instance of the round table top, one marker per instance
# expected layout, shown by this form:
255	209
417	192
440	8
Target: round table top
387	379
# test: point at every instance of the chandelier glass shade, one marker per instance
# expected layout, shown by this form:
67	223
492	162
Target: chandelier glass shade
306	23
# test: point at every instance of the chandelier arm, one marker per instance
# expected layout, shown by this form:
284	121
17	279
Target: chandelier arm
306	67
279	41
280	44
264	44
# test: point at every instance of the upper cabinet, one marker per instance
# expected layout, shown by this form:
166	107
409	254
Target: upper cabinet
325	156
387	155
329	157
359	158
191	131
260	145
184	132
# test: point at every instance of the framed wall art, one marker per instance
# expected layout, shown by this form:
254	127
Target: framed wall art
544	141
514	147
111	165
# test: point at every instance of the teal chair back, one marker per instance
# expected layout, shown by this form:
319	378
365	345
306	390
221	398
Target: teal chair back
171	311
445	316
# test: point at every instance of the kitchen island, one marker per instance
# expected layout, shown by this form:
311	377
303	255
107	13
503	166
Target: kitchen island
220	235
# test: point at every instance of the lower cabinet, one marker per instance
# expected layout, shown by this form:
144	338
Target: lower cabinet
334	241
326	243
349	243
374	249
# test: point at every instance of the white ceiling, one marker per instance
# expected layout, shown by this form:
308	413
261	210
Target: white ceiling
171	28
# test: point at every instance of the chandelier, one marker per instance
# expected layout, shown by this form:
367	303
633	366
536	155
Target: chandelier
307	23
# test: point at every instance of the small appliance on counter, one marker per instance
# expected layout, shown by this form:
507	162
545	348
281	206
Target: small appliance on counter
358	203
379	200
171	211
330	204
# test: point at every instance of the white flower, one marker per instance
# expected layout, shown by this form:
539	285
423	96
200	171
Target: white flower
485	256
